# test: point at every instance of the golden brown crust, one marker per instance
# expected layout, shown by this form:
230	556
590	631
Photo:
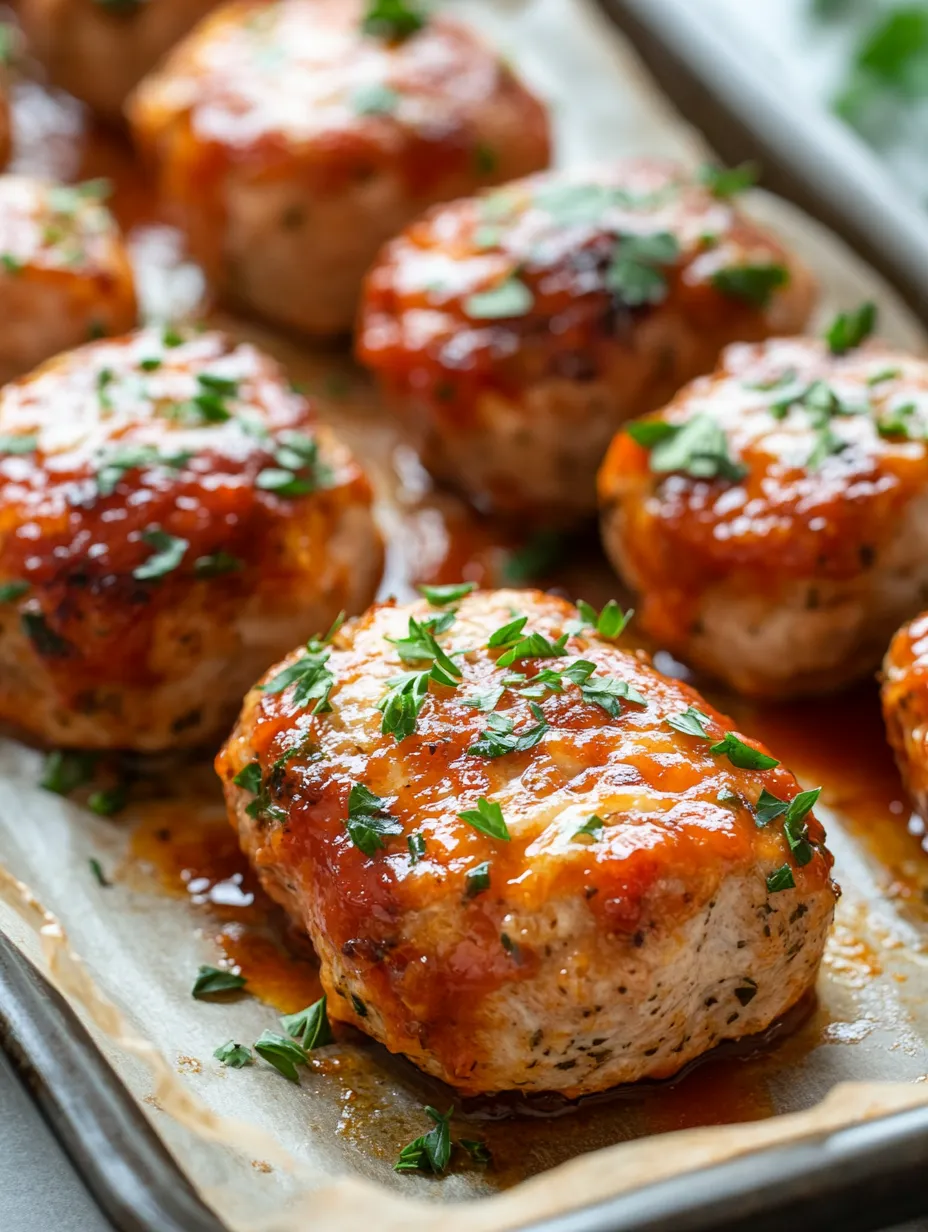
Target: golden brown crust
582	346
98	51
65	274
277	120
666	848
826	516
905	707
116	453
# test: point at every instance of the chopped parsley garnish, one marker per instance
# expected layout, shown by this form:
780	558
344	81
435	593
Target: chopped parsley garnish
217	564
99	876
415	844
477	879
171	337
11	264
150	364
375	99
114	465
754	284
298	471
635	274
167	555
827	443
850	329
794	816
283	1053
485	159
690	722
310	1026
392	19
64	771
769	808
236	1056
487	817
781	879
511	298
310	677
742	755
441	596
18	443
401	704
249	777
725	182
524	646
212	982
698	448
901	420
11	591
488	700
477	1150
107	801
609	623
432	1151
591	828
419	646
605	691
498	739
369	821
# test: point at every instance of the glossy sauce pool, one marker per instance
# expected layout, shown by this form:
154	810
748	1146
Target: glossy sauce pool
183	847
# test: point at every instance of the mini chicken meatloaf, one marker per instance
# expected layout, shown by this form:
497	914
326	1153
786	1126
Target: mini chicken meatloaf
774	517
64	273
525	858
515	331
293	138
171	518
98	50
905	707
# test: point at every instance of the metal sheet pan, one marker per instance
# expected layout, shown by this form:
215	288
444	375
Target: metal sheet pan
863	1027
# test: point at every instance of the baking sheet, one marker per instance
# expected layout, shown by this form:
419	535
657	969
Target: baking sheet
266	1154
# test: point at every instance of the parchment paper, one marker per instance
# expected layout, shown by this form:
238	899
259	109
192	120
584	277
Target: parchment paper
269	1155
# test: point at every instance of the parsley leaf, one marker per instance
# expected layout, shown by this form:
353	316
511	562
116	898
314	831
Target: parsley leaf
415	844
432	1151
754	284
609	693
310	1026
781	879
698	448
312	679
849	329
392	19
18	443
283	1053
509	299
369	821
497	739
725	182
477	1150
419	646
64	771
406	694
441	596
217	564
488	700
167	555
609	623
487	817
591	828
690	723
211	982
650	432
11	591
477	879
236	1056
742	755
533	646
769	807
634	275
249	777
